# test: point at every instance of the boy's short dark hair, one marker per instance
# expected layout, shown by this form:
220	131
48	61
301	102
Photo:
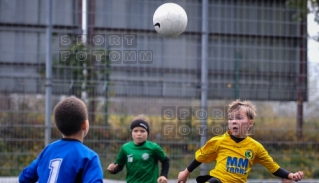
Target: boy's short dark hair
69	115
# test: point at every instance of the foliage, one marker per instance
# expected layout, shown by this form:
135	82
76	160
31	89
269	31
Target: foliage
86	71
84	74
304	7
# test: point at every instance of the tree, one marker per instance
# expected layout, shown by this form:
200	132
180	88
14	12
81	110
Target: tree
86	68
304	9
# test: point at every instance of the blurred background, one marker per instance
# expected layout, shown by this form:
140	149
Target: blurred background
265	51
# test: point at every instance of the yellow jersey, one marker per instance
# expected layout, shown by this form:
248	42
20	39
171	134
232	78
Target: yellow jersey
234	160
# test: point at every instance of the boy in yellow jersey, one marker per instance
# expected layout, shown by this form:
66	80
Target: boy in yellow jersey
235	152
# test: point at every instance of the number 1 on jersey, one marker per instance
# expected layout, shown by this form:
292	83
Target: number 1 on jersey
55	167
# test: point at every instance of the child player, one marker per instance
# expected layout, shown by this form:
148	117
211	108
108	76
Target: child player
68	159
141	156
235	152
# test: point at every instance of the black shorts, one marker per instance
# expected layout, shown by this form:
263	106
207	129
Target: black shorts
207	179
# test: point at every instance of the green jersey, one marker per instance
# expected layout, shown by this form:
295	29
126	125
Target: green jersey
141	161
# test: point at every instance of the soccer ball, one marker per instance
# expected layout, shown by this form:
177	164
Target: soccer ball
170	20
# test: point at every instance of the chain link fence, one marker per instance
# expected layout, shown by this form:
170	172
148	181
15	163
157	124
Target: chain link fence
256	51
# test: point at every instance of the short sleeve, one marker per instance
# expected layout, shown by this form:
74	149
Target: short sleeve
93	171
121	157
160	154
208	152
266	160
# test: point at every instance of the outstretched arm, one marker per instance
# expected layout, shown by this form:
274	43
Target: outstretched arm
287	175
182	176
164	172
29	174
296	176
165	167
281	173
193	165
114	168
266	160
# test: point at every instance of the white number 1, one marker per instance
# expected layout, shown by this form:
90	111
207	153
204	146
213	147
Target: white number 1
55	167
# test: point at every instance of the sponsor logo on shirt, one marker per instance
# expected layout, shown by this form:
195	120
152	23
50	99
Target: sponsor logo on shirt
145	156
249	154
236	165
130	158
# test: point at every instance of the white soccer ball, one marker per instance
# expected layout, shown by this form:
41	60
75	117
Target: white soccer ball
170	20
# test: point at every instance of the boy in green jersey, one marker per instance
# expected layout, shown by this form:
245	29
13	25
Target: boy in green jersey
141	156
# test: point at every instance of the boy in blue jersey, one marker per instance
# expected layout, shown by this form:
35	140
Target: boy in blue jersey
68	159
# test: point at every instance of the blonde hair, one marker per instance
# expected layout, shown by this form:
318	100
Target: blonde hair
140	117
247	106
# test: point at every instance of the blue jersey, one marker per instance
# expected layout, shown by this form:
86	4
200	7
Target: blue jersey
64	161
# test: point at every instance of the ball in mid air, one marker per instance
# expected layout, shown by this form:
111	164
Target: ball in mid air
170	20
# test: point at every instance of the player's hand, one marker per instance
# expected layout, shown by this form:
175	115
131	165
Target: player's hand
296	176
162	179
182	176
112	167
